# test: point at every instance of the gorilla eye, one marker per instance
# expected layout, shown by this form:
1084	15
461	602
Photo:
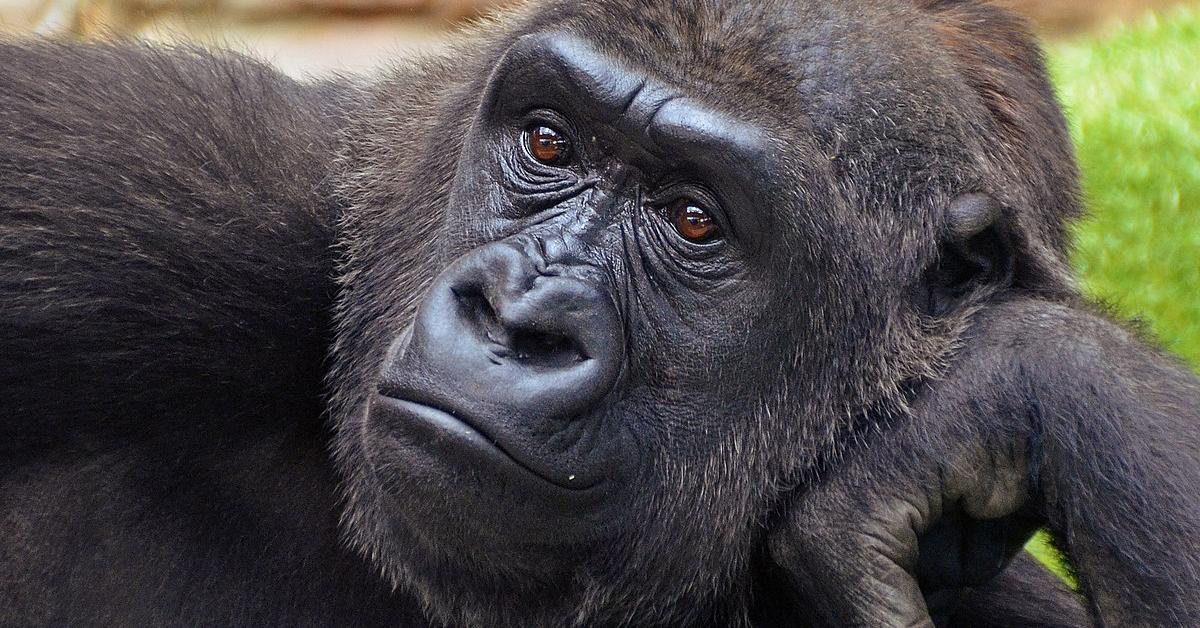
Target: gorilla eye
547	145
691	221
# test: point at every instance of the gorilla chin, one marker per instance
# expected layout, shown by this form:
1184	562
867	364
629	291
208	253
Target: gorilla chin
492	403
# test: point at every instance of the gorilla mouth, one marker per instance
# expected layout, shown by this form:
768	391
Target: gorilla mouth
427	425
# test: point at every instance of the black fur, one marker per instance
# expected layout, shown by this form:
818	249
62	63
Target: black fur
1052	415
166	271
191	243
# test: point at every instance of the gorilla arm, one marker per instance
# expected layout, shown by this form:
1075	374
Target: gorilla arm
1049	415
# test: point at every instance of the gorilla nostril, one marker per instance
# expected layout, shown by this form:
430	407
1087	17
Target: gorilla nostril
475	308
530	346
545	350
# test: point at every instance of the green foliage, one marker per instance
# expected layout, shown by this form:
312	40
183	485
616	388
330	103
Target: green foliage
1134	103
1133	98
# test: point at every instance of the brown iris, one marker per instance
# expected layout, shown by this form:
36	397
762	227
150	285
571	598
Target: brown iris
548	145
691	221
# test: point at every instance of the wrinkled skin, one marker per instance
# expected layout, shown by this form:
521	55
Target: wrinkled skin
630	313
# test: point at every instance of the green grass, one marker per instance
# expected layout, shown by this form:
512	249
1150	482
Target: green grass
1133	98
1134	103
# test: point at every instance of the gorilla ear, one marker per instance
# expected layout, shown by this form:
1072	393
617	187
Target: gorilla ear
976	254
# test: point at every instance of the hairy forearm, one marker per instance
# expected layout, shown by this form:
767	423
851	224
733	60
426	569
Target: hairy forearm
1112	452
1120	463
1024	594
1051	414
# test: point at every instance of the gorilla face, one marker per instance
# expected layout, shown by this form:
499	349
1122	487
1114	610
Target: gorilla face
580	378
620	292
607	236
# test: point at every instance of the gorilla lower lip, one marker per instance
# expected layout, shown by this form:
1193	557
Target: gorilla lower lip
430	425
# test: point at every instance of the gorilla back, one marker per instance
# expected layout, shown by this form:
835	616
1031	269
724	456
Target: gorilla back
543	330
166	272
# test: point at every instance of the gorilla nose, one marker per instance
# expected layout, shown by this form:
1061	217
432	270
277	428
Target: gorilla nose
509	338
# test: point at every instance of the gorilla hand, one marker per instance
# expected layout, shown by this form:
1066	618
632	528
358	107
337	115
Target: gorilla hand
893	539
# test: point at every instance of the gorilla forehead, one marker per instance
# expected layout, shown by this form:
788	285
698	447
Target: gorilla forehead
641	120
769	59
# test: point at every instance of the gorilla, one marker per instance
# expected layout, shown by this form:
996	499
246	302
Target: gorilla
614	312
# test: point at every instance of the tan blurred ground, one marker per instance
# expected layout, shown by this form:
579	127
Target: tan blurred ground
315	36
1067	17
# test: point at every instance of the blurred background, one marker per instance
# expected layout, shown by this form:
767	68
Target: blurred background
314	36
1128	72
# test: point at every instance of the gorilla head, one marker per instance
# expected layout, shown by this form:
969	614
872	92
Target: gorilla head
667	256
